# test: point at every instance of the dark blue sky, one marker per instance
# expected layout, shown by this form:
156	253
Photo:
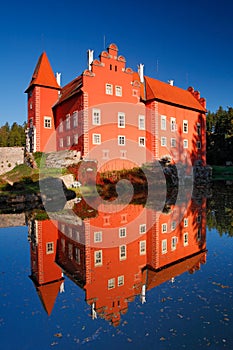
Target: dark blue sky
188	41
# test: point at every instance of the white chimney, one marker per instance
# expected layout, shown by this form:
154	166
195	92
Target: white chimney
171	82
90	55
141	72
58	78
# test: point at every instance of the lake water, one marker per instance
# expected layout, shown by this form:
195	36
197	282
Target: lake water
121	276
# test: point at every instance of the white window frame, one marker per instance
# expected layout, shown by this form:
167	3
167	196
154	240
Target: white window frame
163	141
186	222
96	116
163	122
142	229
75	139
122	252
121	140
174	241
122	232
173	142
173	225
47	122
98	258
120	280
185	143
185	126
185	239
111	283
60	127
173	124
68	141
96	139
164	246
118	90
199	129
142	141
70	251
142	247
77	255
61	143
68	122
164	227
75	119
49	247
141	122
108	89
97	236
121	120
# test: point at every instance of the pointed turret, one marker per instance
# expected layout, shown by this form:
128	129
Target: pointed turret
43	74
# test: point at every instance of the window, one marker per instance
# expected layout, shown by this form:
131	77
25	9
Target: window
163	122
122	232
185	143
142	229
75	235
106	220
199	234
96	116
198	129
123	218
173	243
142	248
70	251
164	246
141	141
121	140
198	145
60	125
141	122
47	122
185	238
121	120
96	139
186	222
49	248
68	122
173	124
199	218
61	142
185	126
123	154
77	255
173	142
75	119
164	228
105	154
75	139
163	141
111	283
98	236
108	89
30	123
98	258
173	225
63	245
120	280
68	140
118	90
122	252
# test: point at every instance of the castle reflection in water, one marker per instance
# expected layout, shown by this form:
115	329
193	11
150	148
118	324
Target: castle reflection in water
116	252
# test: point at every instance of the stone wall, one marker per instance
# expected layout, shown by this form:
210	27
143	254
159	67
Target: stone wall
10	157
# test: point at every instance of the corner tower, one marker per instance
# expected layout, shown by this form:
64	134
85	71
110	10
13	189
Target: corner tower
42	93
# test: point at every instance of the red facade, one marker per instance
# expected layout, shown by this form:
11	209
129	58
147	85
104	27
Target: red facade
117	116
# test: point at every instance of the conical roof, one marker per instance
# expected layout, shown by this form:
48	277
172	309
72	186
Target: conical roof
43	74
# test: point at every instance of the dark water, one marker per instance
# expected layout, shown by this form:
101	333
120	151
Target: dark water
57	292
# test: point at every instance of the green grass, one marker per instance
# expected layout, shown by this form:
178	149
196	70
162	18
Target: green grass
222	172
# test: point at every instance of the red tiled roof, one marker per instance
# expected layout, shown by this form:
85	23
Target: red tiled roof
159	90
70	89
43	74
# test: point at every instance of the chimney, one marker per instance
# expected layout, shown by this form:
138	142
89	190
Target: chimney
141	72
58	78
90	55
171	82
